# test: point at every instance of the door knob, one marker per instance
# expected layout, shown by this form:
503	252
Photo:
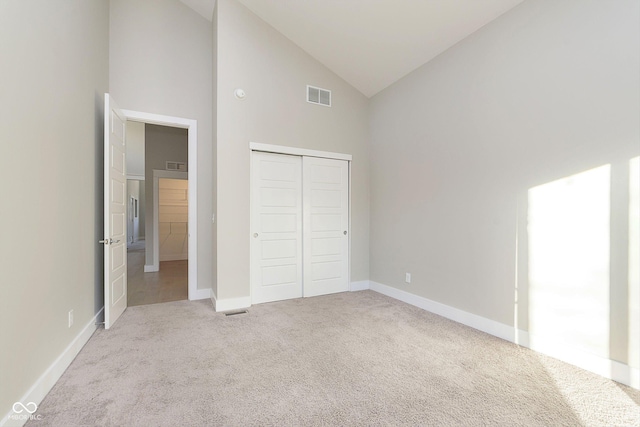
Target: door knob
345	232
108	241
255	235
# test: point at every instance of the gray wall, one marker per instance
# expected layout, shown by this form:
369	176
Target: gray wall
54	62
135	148
548	90
160	59
162	144
274	73
135	166
214	152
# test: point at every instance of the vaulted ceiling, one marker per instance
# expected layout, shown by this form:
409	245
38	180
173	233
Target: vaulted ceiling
372	43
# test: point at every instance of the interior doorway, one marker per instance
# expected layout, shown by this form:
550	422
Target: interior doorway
115	203
158	257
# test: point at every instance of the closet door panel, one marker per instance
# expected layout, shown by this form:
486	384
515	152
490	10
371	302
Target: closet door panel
325	192
276	227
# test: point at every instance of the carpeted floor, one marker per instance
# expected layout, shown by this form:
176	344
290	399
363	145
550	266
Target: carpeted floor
339	360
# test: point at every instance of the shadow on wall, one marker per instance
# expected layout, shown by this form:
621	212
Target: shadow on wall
581	256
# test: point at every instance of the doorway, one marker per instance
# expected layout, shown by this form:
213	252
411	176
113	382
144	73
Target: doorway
115	205
157	269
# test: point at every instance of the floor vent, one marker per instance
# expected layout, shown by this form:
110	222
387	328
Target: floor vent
316	95
235	313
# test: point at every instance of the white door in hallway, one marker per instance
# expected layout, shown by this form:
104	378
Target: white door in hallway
115	213
326	225
276	227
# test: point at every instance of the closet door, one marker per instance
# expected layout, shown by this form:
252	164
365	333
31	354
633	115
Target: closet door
326	225
276	227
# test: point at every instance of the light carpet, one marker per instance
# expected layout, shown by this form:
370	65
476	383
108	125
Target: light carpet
339	360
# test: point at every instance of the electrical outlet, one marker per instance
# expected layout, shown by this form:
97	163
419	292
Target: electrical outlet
70	318
407	277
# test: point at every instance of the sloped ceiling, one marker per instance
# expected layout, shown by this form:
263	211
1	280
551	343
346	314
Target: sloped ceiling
203	7
372	43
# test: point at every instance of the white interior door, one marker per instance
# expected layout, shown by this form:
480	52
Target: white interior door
276	227
115	213
326	225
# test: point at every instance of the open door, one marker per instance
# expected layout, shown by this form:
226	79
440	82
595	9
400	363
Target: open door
115	213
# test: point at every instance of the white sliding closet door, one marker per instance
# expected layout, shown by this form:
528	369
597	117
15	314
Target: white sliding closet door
325	189
276	227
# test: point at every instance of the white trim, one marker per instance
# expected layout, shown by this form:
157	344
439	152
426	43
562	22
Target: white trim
201	294
48	379
281	149
192	136
150	268
483	324
157	119
607	368
136	177
228	304
350	228
214	297
157	174
361	285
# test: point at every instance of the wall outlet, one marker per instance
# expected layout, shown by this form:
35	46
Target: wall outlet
70	318
407	277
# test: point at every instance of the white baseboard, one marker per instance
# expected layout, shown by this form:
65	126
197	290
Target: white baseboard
361	285
151	268
201	294
607	368
48	379
483	324
602	366
229	304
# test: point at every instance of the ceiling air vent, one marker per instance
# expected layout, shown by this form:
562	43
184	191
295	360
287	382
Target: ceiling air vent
176	166
316	95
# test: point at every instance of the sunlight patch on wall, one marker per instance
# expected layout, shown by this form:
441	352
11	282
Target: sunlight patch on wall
634	260
569	260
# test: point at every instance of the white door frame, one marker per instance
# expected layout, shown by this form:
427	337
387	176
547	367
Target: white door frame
157	174
192	131
282	149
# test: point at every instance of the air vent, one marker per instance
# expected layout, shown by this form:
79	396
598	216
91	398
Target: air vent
316	95
235	313
176	166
